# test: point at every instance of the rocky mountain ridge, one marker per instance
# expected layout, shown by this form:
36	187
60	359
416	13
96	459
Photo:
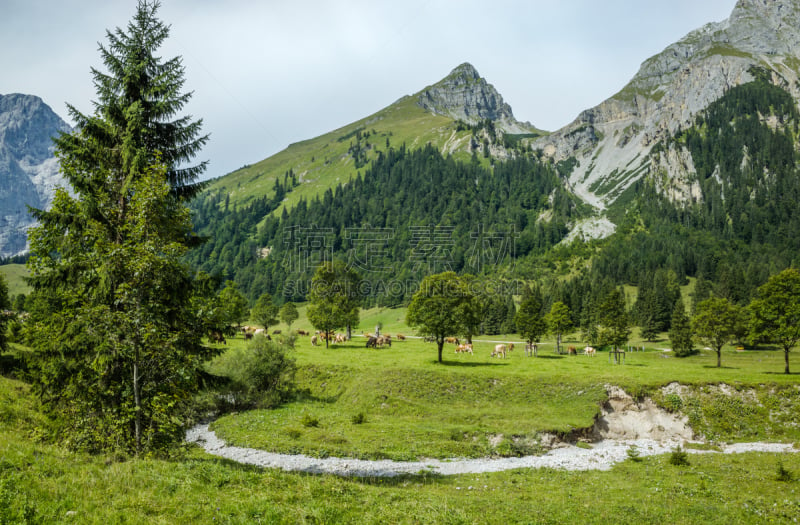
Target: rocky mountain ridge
29	172
612	141
466	96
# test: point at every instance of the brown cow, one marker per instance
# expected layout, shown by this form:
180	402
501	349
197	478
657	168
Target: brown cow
401	337
464	349
302	332
216	336
572	350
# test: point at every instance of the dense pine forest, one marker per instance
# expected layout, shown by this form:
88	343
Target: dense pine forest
411	213
742	226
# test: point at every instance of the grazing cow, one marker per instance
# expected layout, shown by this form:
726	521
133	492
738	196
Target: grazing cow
339	338
590	351
401	337
302	332
429	339
502	350
572	350
260	331
453	340
381	340
531	349
314	340
248	336
372	342
216	337
464	349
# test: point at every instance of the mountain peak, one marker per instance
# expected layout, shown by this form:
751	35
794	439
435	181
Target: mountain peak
29	172
465	95
465	71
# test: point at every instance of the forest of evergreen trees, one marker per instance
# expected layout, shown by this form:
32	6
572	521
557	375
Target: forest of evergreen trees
410	214
413	213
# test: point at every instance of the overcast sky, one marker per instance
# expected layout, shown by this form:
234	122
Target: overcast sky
269	73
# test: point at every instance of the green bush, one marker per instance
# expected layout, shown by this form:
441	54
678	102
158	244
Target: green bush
784	474
309	421
633	453
679	457
270	373
359	418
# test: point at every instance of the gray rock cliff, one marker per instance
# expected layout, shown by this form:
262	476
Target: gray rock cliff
465	95
28	170
612	141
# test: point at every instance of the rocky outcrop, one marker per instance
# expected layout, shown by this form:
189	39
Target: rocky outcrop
464	95
28	170
612	141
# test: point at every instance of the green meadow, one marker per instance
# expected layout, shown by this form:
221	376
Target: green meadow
399	403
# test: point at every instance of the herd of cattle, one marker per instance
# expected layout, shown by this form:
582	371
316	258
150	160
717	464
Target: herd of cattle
500	350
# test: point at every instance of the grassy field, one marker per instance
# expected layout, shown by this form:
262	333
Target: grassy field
400	403
14	274
44	484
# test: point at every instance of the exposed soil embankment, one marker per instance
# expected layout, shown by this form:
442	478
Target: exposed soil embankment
623	418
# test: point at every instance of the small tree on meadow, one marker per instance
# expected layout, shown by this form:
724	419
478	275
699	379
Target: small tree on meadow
559	321
436	308
264	312
334	298
714	324
680	332
530	319
234	304
614	327
289	314
776	311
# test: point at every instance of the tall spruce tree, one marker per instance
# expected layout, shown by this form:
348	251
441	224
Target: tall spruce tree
135	119
118	320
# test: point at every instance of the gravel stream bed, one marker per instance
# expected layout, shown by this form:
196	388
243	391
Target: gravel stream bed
601	456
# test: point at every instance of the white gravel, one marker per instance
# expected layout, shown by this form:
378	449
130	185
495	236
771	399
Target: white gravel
601	456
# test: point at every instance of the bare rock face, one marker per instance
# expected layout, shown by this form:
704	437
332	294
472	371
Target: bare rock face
624	418
29	172
464	95
612	141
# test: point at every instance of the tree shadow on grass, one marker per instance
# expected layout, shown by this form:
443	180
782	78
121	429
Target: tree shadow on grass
715	367
550	357
468	364
782	373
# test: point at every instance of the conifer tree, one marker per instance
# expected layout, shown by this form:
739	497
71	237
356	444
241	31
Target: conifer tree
680	332
135	118
118	320
530	319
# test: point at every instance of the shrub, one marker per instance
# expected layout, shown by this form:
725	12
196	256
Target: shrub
784	474
269	373
679	457
309	421
633	453
359	418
